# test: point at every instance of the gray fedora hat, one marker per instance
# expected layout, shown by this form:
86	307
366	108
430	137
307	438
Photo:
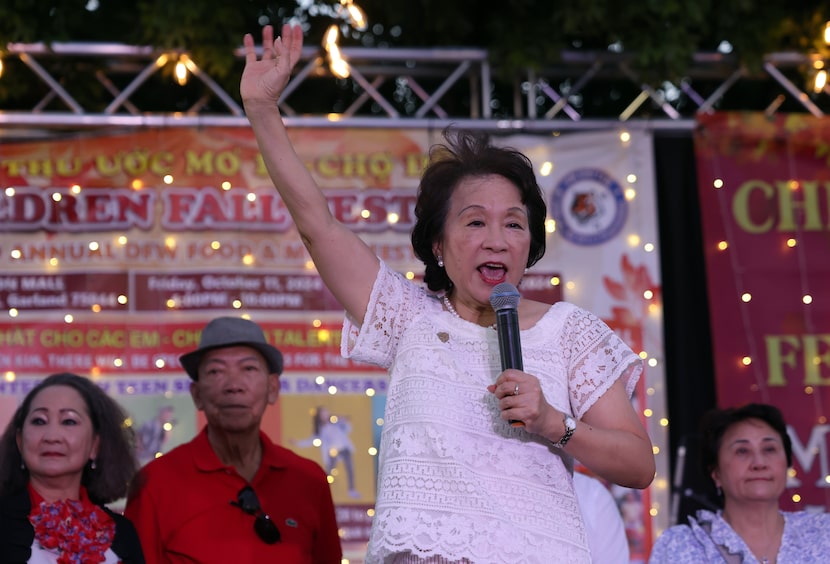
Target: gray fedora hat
229	332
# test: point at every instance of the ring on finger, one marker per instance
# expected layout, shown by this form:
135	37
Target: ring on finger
516	389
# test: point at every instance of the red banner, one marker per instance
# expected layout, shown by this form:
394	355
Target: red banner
764	186
131	347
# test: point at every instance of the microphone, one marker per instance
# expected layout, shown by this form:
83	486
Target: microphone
505	301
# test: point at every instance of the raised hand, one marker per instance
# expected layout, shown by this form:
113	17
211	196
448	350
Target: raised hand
347	265
263	80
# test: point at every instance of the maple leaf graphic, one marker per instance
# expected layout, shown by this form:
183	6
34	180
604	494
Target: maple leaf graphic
632	291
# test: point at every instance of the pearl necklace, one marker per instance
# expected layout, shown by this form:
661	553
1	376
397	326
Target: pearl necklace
450	308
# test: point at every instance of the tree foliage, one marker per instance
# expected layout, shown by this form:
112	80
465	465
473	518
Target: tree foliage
661	36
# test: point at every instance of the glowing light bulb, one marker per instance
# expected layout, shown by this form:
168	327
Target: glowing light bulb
181	72
357	19
820	81
338	66
332	34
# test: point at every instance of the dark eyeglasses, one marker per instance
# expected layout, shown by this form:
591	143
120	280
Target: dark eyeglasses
264	527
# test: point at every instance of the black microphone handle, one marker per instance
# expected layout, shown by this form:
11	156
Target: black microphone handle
510	345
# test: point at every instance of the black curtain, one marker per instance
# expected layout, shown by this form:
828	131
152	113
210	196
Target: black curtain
689	368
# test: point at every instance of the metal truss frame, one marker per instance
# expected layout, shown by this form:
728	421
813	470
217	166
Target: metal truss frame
398	88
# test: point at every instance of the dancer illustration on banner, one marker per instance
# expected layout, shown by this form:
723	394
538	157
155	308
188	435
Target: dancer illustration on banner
332	435
153	433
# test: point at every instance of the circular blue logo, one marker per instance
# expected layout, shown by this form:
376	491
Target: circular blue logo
589	207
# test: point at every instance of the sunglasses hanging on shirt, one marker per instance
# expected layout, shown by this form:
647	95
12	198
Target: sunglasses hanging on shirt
264	527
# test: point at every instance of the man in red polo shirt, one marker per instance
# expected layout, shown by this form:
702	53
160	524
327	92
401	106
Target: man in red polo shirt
231	494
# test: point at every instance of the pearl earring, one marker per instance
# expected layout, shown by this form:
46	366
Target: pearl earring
440	262
92	464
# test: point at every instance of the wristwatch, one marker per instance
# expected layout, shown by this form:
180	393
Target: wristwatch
570	427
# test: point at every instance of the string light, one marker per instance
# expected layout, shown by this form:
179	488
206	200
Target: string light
181	72
355	15
162	60
356	19
820	81
338	66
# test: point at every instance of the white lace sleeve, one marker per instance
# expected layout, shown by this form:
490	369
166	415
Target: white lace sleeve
596	358
393	303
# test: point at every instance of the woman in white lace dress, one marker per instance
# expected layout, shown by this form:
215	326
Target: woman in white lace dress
457	482
746	451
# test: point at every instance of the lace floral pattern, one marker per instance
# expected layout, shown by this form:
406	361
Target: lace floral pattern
78	531
456	480
806	540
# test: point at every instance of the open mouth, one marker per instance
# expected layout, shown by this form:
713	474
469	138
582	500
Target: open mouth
493	272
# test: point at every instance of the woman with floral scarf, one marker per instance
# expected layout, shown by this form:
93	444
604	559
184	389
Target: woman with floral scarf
65	453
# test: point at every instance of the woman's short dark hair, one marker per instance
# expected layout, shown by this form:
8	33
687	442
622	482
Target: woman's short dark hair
715	423
116	463
469	154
